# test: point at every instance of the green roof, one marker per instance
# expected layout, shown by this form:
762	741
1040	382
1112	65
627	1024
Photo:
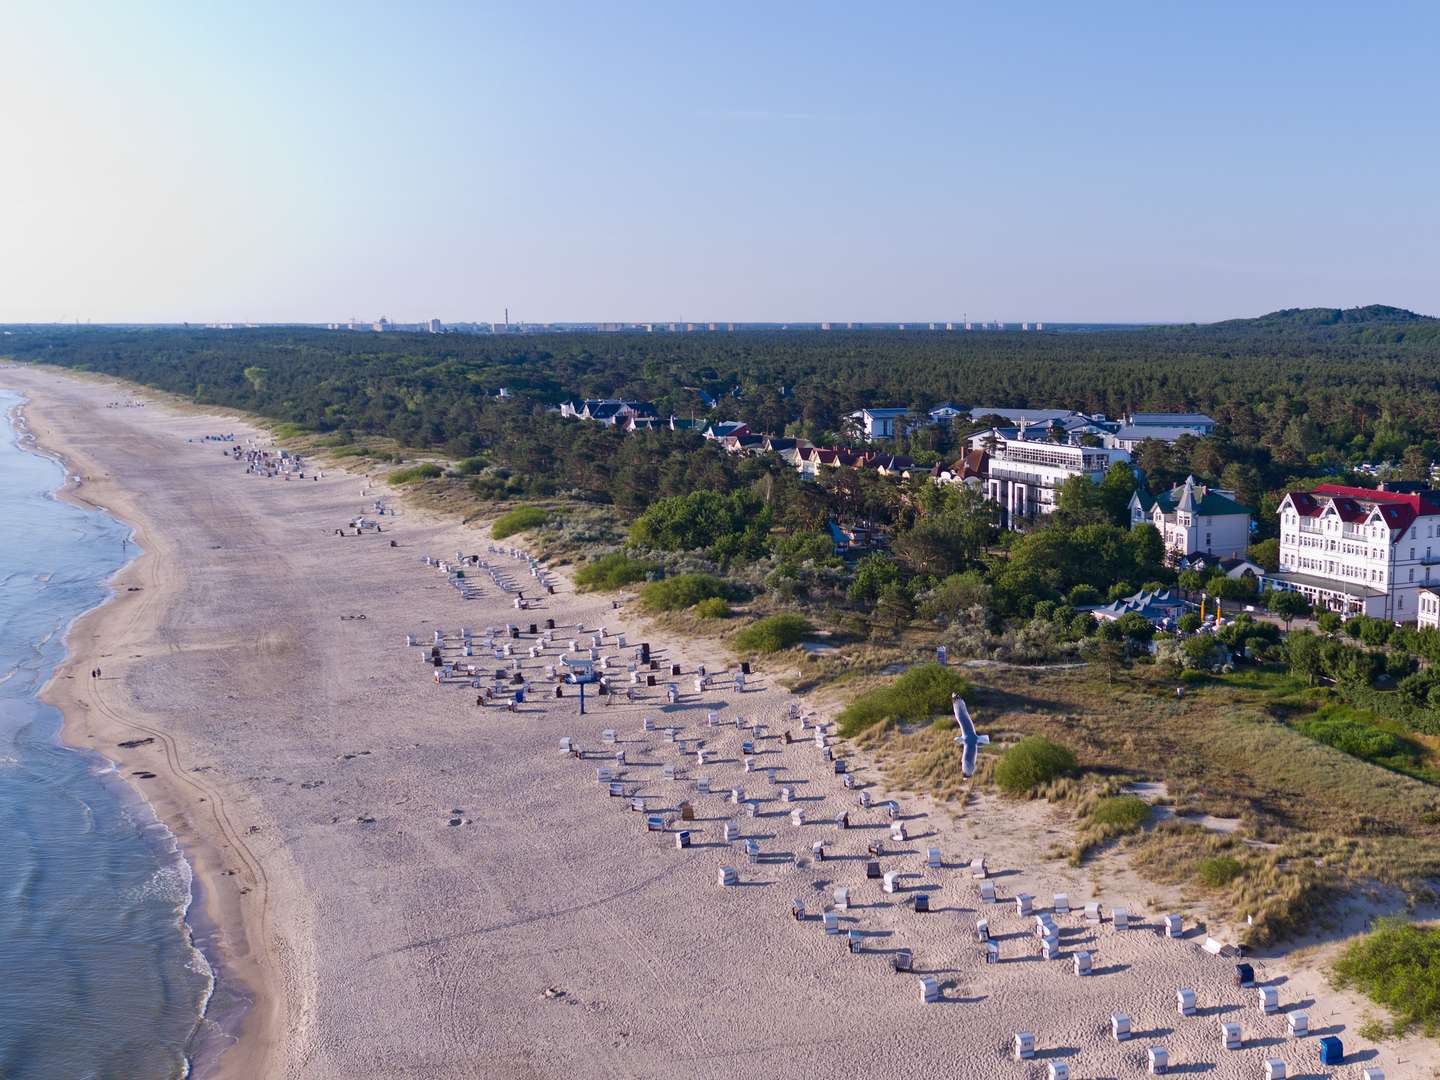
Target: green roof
1211	504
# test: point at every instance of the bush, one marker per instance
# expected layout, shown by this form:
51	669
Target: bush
922	692
683	591
773	633
1033	761
1329	621
713	608
1189	622
521	519
613	571
427	471
1120	813
1398	966
1219	870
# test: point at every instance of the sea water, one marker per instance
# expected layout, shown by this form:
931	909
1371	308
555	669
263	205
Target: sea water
99	975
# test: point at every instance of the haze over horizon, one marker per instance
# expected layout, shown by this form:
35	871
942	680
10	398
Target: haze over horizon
170	164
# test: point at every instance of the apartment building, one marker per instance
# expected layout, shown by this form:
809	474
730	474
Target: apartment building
1024	476
1360	551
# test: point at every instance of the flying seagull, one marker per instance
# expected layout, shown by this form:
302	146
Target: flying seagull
967	735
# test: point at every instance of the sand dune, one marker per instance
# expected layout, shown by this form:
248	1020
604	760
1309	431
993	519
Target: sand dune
316	774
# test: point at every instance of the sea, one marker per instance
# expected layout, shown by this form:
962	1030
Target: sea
101	973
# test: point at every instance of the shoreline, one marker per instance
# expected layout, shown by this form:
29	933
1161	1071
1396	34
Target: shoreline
243	1001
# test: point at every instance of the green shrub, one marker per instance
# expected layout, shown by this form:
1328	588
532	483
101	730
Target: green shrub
922	692
773	633
351	451
1219	870
427	471
613	571
682	591
713	608
1120	813
470	466
521	519
1398	966
1033	761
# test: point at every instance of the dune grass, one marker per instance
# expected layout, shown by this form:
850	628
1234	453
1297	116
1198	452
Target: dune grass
611	572
426	471
683	591
773	633
521	519
1031	762
713	607
919	694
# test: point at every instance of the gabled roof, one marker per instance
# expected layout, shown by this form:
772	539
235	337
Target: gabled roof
1398	510
1196	498
725	428
881	413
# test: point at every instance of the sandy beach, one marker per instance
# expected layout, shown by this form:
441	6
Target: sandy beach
407	884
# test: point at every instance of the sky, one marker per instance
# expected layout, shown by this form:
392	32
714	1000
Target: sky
314	162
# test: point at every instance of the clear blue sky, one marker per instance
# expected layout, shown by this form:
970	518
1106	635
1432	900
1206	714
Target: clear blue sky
1092	162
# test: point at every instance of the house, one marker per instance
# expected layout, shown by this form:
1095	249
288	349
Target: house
969	468
725	429
1025	475
1360	550
1130	436
1193	519
1429	609
889	465
608	411
946	413
880	423
1202	562
1196	423
1016	417
1161	606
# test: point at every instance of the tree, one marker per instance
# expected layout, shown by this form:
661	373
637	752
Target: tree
1288	605
1116	490
1329	621
1190	581
1266	554
873	575
1189	622
1302	651
1134	625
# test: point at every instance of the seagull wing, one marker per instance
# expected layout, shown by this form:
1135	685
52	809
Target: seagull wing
967	736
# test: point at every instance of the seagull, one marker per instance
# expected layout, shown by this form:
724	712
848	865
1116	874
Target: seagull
968	736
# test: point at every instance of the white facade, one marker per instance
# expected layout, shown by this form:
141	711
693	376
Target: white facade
1024	476
1429	609
1193	519
880	423
1358	551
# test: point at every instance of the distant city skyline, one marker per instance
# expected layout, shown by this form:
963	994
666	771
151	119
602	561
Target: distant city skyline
757	163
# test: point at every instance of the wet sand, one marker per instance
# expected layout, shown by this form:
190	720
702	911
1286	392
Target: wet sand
312	769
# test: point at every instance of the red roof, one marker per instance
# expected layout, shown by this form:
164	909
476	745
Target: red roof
1397	509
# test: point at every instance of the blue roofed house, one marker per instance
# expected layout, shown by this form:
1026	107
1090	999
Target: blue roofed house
1161	606
880	423
946	413
1204	424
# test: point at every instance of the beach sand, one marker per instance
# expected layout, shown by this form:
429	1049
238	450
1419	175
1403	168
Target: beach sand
312	770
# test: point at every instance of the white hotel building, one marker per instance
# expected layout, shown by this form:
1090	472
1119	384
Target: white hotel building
1024	475
1359	551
